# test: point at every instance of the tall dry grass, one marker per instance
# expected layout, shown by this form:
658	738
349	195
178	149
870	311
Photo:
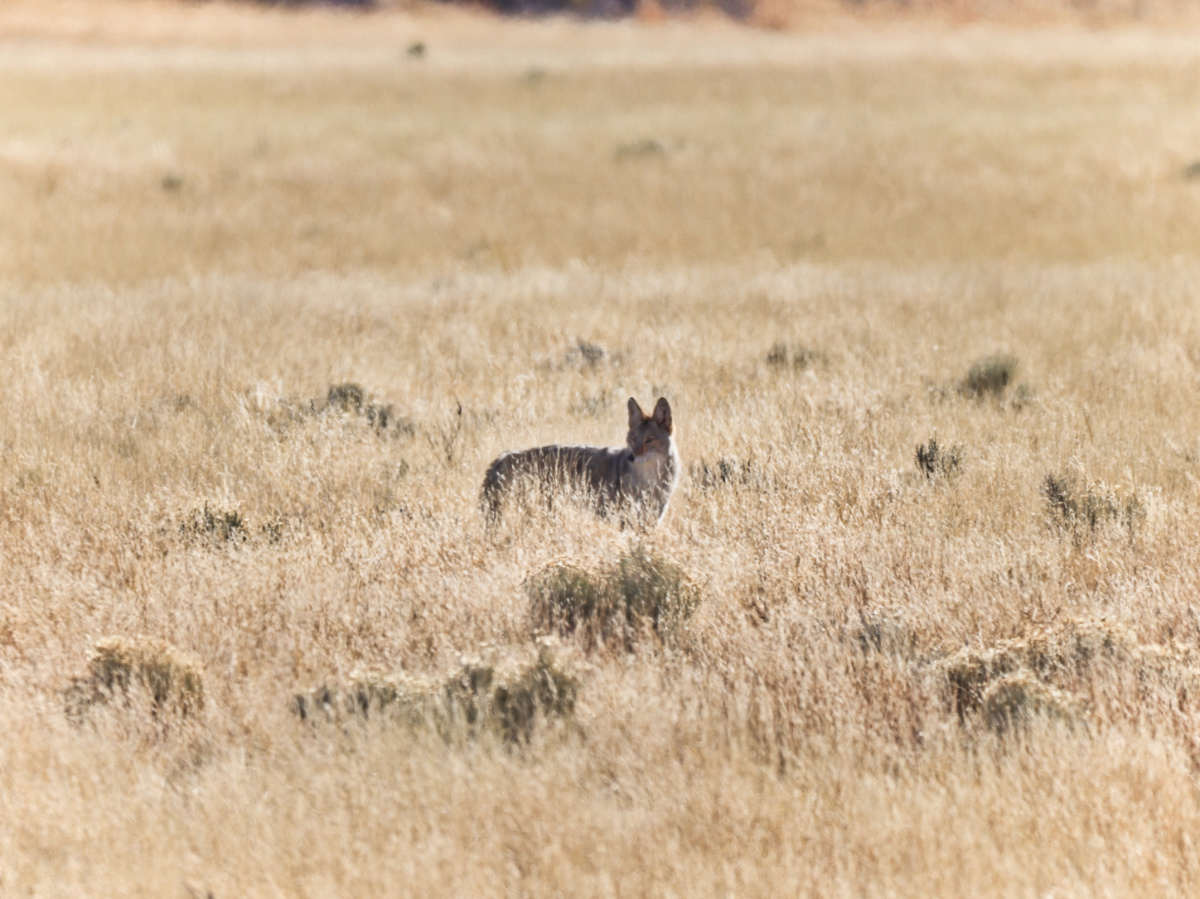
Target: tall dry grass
899	678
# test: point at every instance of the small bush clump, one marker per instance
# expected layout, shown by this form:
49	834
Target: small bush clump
1016	700
936	461
586	354
504	697
350	399
794	356
1062	654
217	525
885	634
1051	672
1023	397
640	149
1075	503
725	473
615	605
172	680
989	376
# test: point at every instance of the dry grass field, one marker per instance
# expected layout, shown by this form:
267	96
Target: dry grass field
275	288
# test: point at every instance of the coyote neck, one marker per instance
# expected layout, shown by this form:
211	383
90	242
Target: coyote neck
652	480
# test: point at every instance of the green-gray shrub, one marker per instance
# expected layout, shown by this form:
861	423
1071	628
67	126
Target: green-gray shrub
505	698
1015	700
615	605
989	376
936	461
795	356
172	680
1073	502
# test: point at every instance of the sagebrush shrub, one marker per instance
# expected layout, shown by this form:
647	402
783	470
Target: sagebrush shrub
989	376
615	605
725	472
346	397
936	461
504	697
795	356
1015	700
1077	504
171	679
217	525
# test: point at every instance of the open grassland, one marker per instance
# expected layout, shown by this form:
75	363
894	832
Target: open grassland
269	304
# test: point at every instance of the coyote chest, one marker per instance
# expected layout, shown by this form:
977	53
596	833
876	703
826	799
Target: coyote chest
635	479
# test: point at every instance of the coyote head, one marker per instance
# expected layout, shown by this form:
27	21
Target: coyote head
650	435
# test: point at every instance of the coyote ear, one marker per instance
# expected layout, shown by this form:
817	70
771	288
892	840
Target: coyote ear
636	415
662	415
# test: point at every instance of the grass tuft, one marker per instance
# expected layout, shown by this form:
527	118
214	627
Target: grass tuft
351	399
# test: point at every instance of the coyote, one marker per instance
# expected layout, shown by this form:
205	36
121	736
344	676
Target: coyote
636	479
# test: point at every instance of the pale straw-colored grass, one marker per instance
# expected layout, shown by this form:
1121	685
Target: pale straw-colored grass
892	684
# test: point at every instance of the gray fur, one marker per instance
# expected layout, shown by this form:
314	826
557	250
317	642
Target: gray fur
636	479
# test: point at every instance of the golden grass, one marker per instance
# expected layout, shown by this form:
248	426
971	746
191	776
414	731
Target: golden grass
898	678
